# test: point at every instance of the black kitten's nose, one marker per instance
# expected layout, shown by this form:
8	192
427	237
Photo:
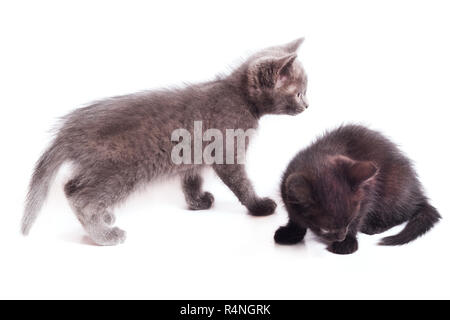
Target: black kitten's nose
341	235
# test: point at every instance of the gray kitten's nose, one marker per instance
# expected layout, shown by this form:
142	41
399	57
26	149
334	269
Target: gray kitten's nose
305	101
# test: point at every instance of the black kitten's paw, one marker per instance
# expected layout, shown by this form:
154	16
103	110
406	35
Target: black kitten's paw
348	246
372	229
205	201
288	235
262	207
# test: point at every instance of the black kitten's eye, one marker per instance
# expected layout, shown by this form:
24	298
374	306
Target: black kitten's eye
304	208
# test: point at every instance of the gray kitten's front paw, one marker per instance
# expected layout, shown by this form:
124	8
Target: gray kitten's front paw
205	201
262	207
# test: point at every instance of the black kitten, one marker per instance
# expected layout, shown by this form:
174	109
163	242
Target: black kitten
353	179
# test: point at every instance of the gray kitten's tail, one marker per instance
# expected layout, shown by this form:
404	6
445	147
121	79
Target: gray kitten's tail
44	172
423	220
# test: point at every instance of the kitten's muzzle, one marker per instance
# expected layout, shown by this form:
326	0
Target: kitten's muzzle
296	110
341	237
305	102
335	236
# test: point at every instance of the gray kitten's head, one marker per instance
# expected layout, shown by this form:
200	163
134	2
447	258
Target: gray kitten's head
276	80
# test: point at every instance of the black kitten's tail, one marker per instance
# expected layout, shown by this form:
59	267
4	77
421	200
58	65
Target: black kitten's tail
422	221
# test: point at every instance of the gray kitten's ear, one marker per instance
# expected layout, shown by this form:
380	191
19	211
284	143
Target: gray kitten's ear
284	63
294	45
267	70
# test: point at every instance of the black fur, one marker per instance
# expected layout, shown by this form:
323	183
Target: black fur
353	180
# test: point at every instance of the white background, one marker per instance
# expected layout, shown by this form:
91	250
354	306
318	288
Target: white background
384	64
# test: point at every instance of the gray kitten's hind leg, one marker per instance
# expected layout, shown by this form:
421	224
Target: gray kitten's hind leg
235	177
196	199
92	197
101	232
97	223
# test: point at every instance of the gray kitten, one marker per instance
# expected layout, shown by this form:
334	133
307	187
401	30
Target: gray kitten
121	143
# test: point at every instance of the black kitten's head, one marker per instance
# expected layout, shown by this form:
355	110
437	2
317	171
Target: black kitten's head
276	80
328	200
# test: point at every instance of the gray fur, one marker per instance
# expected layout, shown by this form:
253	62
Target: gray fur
43	175
122	143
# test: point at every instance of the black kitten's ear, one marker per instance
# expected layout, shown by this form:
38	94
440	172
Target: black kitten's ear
267	70
357	172
361	171
294	45
298	188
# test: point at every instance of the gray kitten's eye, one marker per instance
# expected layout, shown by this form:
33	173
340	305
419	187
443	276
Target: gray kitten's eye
299	94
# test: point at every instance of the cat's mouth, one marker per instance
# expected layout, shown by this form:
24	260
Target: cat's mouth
327	236
295	110
334	238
